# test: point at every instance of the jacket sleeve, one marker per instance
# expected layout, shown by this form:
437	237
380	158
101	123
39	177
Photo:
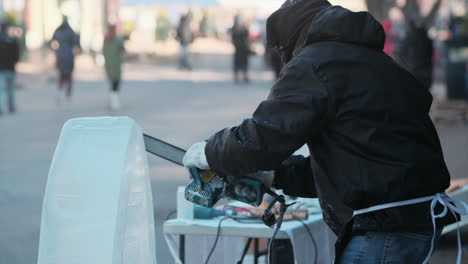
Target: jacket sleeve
294	111
295	178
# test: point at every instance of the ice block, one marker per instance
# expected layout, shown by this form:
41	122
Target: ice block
98	205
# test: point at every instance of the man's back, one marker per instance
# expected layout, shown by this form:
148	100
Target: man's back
379	145
66	38
364	118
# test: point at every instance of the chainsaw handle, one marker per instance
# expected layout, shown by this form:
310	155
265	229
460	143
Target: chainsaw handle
255	185
195	173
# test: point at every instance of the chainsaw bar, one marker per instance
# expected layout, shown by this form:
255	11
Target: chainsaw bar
164	150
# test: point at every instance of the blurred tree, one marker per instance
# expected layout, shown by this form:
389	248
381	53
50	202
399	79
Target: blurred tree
415	53
412	12
379	8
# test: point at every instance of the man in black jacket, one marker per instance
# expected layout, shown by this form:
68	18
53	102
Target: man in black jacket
185	36
365	120
9	56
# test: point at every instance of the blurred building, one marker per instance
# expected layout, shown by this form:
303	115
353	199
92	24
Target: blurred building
87	17
90	17
265	7
10	6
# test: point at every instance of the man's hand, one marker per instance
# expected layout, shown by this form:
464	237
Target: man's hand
266	177
195	157
241	190
456	184
236	188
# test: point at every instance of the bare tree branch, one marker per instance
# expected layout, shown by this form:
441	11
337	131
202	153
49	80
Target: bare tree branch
379	8
412	13
411	10
430	18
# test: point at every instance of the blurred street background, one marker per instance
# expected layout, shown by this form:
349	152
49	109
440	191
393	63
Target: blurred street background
179	92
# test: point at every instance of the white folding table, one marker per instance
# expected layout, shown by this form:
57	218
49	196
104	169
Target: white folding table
190	240
195	238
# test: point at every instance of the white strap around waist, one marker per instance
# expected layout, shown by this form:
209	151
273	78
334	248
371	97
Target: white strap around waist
441	198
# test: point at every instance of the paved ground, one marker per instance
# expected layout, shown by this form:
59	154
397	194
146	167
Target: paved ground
181	107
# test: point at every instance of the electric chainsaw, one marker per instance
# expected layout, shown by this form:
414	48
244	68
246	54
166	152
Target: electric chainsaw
208	187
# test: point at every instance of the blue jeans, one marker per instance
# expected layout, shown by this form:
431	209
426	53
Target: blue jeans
389	248
184	54
7	85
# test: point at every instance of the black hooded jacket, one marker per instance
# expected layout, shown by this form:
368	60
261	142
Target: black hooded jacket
364	118
9	52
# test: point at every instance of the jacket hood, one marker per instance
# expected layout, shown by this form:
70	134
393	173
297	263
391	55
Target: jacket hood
301	23
340	24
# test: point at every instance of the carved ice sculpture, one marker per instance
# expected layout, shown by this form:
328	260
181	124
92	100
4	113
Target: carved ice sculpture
98	206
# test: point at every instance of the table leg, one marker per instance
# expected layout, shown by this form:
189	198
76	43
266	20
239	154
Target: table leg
246	249
182	248
256	251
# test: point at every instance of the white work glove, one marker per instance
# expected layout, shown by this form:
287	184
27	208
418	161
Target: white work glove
195	157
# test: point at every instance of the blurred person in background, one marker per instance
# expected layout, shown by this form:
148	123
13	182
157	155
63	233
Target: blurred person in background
204	24
113	50
397	31
9	56
241	40
389	43
208	27
273	60
185	36
65	42
163	26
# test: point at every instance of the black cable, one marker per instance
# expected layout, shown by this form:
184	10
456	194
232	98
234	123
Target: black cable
271	242
217	237
170	214
311	238
244	253
283	208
